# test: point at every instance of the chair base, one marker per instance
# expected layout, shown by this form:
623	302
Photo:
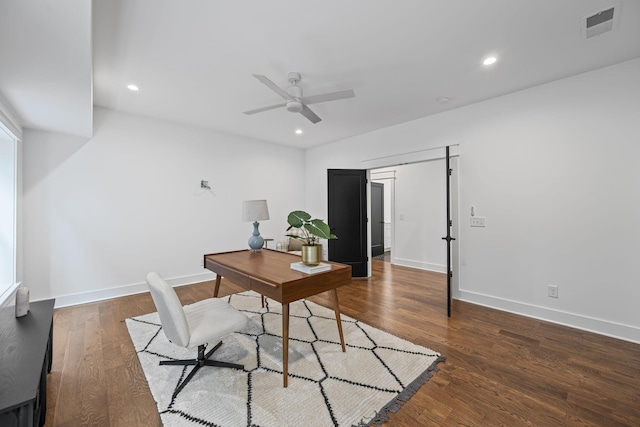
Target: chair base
202	360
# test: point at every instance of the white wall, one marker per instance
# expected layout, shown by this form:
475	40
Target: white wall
99	214
554	169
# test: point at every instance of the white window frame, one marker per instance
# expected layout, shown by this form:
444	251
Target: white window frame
7	293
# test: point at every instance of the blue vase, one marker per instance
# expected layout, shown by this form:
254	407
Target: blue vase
256	241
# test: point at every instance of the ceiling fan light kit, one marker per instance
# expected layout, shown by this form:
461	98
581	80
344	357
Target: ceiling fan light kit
295	106
295	102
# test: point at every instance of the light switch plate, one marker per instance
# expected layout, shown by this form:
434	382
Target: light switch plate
477	221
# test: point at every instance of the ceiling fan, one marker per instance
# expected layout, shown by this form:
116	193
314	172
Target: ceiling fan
294	101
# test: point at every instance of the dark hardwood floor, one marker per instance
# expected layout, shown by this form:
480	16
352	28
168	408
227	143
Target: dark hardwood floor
501	369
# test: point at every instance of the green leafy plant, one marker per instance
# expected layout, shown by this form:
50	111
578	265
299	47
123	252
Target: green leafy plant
312	229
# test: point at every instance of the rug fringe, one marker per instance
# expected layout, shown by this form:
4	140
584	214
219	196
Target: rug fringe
397	402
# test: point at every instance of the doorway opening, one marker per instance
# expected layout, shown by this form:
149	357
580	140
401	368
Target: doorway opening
423	204
382	203
414	212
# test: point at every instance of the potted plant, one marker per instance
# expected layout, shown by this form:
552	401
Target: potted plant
311	231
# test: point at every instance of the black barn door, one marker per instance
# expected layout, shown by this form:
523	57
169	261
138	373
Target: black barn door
377	219
347	217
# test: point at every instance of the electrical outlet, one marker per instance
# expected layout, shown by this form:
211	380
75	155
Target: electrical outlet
477	221
552	291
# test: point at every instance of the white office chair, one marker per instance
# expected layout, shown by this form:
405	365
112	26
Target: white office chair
192	325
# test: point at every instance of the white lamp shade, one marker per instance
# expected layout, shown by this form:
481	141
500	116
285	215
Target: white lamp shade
254	210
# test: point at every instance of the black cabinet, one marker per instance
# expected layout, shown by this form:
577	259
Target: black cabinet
25	361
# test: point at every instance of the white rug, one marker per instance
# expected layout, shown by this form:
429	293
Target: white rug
327	387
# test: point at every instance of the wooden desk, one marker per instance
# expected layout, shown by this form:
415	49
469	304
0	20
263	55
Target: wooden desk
269	273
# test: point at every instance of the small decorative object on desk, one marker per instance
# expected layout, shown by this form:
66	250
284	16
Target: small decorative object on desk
310	269
22	302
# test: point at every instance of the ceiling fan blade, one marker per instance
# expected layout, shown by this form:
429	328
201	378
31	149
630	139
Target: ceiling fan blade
313	117
270	107
333	96
274	87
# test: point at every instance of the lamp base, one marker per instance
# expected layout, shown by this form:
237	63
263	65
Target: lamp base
256	241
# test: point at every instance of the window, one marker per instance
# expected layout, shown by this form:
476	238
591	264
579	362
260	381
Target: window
8	179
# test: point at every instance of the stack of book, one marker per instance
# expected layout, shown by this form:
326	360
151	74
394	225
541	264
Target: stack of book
310	269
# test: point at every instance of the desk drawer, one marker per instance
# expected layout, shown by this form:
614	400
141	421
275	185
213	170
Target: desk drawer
267	289
229	274
237	278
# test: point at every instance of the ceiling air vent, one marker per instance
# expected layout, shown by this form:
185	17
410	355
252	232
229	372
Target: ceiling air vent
601	22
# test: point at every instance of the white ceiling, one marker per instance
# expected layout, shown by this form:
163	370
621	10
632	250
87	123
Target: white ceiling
45	64
194	59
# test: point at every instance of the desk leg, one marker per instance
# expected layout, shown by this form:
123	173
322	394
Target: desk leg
285	344
336	309
217	287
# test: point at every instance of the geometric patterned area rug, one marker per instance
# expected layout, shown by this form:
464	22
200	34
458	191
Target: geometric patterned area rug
377	373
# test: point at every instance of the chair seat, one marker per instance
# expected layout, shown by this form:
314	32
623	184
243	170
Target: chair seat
203	314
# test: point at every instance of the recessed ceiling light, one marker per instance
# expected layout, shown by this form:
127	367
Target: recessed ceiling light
298	131
443	99
490	60
133	88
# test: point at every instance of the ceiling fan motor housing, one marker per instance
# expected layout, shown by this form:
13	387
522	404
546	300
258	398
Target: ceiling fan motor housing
294	105
295	91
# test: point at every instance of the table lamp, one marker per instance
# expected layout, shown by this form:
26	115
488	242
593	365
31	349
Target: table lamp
254	211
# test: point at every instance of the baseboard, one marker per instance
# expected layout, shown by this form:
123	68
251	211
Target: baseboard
419	264
120	291
589	324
